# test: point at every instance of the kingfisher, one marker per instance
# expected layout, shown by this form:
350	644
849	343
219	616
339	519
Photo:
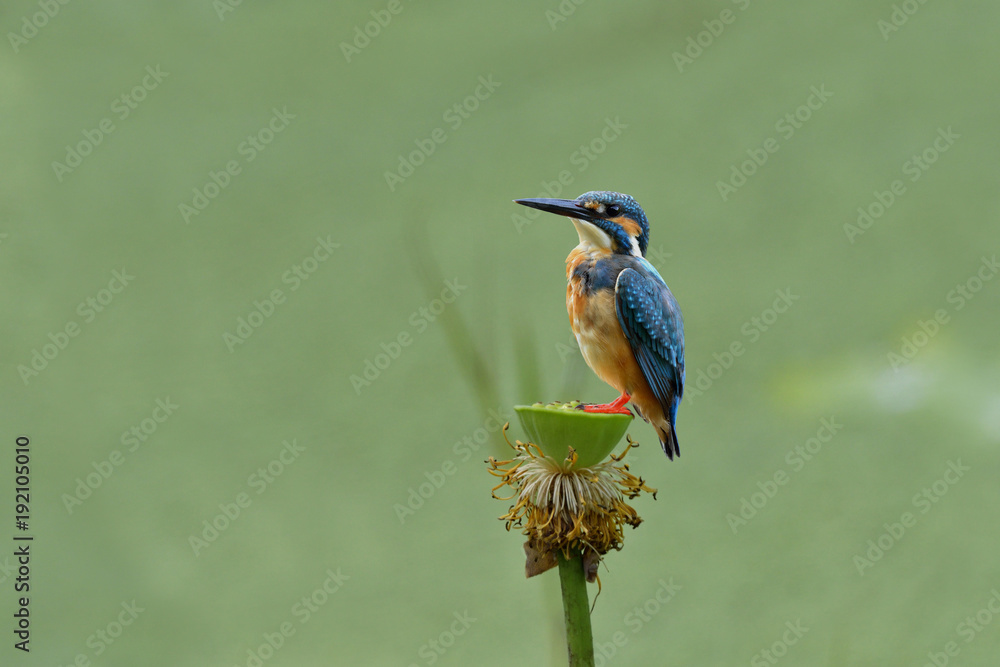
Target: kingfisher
625	319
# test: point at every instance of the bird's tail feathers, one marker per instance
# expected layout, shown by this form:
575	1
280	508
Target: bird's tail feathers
668	441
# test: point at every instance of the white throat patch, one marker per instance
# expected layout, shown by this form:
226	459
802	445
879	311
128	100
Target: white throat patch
591	236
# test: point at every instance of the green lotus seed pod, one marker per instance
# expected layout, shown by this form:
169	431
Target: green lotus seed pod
558	426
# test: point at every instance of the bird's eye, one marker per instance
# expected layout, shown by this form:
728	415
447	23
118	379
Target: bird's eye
612	211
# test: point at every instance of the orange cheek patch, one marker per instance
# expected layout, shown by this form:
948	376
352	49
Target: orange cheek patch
630	226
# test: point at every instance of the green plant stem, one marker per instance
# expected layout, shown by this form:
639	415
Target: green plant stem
579	637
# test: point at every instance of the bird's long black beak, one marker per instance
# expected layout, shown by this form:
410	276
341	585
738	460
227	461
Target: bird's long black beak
566	207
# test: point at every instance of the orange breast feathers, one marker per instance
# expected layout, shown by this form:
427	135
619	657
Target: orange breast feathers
594	320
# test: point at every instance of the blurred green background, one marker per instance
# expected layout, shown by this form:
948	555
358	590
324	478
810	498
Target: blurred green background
259	118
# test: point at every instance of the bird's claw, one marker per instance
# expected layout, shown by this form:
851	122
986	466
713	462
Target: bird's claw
606	409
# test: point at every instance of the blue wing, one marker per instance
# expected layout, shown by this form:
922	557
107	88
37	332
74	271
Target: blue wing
651	320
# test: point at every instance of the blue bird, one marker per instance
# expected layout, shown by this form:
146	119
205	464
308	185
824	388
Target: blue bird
625	319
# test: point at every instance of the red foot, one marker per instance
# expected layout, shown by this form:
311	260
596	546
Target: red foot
615	408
